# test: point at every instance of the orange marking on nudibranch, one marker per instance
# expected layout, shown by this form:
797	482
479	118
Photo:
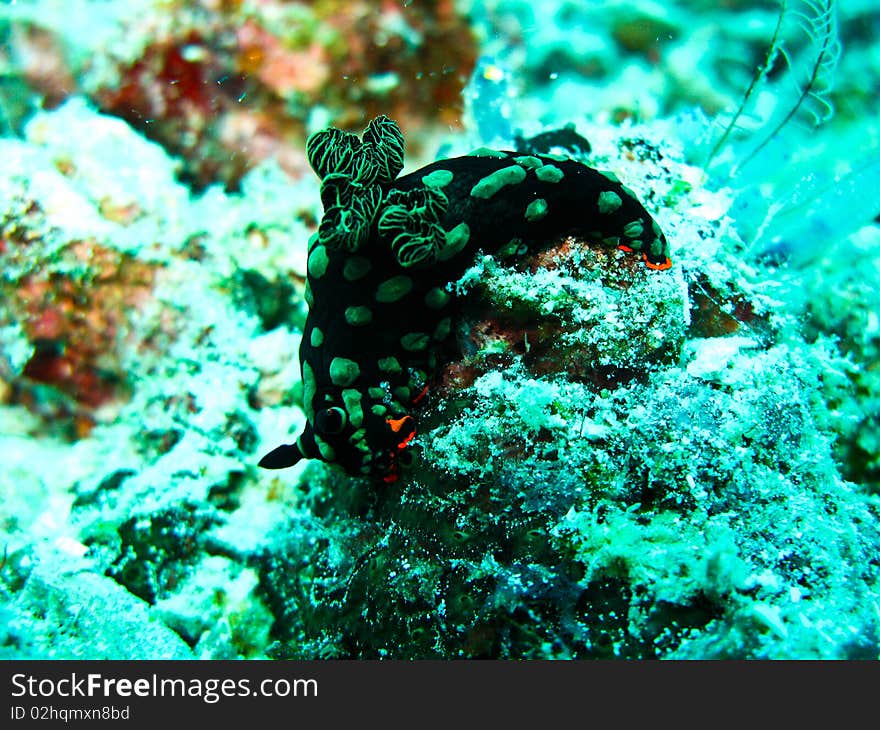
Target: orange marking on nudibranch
397	423
624	247
657	267
421	395
397	426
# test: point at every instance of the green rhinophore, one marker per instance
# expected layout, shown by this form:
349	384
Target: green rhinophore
383	143
414	341
394	289
492	183
549	173
413	249
318	261
356	267
536	210
331	150
379	157
410	221
343	371
438	179
436	298
358	316
609	202
656	247
316	338
389	365
349	210
456	239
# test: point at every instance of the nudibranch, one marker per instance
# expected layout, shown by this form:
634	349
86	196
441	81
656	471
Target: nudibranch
384	257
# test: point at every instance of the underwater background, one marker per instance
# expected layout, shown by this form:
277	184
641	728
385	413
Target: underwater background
618	462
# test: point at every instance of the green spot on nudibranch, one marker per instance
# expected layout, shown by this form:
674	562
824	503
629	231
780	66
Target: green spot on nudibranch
536	210
436	298
358	316
486	152
633	229
356	267
528	161
549	173
310	387
444	327
378	410
393	289
414	341
608	175
389	365
402	393
325	449
343	371
492	183
609	202
456	240
318	261
352	400
357	438
509	248
316	338
438	179
376	393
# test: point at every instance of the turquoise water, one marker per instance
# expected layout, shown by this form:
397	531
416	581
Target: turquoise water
609	393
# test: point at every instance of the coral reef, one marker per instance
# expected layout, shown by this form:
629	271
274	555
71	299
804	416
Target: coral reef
227	85
193	362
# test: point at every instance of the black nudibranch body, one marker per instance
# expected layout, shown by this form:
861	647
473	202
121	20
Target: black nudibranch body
379	264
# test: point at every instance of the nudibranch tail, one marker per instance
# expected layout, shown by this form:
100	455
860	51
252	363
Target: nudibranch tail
281	457
382	262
